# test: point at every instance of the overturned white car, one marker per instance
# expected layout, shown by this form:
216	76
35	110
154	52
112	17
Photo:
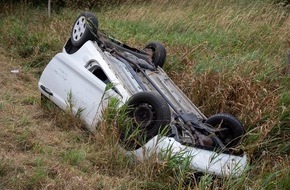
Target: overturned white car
94	68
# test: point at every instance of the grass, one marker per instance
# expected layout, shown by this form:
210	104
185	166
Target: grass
227	56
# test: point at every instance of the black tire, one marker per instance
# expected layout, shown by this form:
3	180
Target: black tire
235	130
150	114
158	53
84	29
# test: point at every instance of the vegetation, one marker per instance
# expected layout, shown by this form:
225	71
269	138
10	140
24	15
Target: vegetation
227	56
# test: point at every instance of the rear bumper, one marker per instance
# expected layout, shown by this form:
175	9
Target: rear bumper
201	160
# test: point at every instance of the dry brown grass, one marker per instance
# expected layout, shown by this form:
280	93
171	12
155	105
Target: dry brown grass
238	93
45	148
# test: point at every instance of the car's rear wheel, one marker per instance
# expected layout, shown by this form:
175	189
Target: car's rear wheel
158	53
231	129
84	29
148	114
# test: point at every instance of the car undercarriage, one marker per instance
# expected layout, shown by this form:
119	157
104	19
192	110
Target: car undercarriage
95	68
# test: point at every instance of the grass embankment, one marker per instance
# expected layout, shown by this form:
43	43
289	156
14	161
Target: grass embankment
227	56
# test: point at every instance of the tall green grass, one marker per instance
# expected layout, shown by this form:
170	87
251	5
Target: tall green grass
227	56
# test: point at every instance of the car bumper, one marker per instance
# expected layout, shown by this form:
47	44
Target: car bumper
220	164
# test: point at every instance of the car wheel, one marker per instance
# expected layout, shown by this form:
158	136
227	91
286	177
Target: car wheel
158	52
84	29
231	129
149	114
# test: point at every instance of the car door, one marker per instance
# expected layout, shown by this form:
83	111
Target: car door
70	85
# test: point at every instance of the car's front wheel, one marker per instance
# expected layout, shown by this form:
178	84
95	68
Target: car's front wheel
84	29
148	114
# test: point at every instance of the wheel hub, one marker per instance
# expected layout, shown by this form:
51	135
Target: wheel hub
143	115
79	28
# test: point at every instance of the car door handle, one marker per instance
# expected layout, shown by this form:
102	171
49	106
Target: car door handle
46	90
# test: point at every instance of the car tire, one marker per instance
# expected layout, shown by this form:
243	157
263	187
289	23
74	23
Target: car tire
235	130
150	114
84	29
158	53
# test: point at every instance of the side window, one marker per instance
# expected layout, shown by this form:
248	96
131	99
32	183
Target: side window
98	72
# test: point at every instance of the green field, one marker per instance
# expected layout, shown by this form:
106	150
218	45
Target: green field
227	56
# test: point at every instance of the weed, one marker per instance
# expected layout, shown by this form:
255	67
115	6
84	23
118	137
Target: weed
25	140
29	100
205	182
4	167
227	56
5	172
74	157
38	176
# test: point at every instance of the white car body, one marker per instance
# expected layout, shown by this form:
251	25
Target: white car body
68	75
